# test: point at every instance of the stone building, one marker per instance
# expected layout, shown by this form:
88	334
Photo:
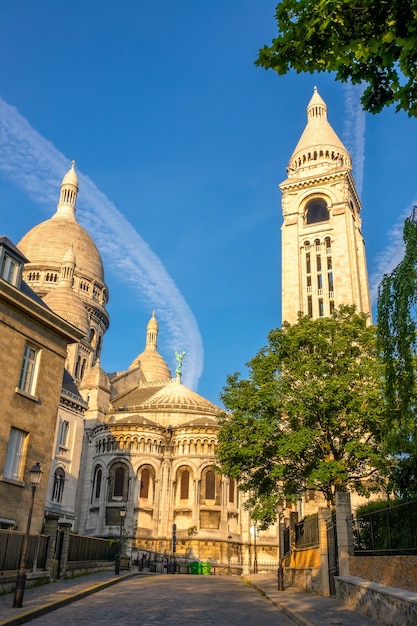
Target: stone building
65	269
34	344
323	251
149	441
154	453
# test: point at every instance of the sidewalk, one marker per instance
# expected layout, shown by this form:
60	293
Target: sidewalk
303	608
39	600
306	609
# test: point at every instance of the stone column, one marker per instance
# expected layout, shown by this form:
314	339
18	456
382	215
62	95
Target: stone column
324	514
344	531
293	545
50	529
66	528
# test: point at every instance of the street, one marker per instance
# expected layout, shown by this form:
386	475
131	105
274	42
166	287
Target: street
173	600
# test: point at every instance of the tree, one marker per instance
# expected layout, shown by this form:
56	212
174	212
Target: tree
397	344
371	41
310	415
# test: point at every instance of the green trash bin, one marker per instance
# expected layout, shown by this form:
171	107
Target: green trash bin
206	568
195	567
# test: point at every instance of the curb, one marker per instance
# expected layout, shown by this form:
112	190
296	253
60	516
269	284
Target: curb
43	609
293	615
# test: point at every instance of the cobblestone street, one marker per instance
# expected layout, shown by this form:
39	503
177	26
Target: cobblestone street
173	600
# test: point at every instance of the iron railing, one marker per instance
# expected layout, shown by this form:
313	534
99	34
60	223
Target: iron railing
388	531
83	548
11	547
307	533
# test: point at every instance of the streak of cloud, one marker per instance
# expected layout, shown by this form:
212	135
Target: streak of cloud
36	166
391	256
354	131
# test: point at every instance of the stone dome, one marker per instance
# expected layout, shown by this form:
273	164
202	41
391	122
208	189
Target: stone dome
63	301
47	243
153	365
318	143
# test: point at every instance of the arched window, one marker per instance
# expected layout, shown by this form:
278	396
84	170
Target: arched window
316	211
98	346
232	486
119	481
185	485
98	476
58	485
210	485
144	483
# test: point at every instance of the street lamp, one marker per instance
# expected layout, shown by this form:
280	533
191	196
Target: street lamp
19	590
122	513
280	512
254	532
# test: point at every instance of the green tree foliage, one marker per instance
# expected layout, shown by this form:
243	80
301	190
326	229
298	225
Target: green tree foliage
374	41
397	344
310	415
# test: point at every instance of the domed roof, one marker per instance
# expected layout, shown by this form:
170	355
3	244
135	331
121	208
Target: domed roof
317	136
153	365
176	395
47	243
65	302
171	397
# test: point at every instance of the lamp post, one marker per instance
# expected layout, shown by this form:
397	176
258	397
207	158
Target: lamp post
122	513
229	538
280	512
254	532
19	590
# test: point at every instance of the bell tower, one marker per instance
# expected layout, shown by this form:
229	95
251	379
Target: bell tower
323	251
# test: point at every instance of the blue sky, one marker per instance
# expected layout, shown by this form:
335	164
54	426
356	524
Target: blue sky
173	127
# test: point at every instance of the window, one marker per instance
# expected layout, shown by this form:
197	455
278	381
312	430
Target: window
144	484
232	486
210	485
10	270
119	481
63	434
28	372
185	482
316	211
15	455
98	474
58	485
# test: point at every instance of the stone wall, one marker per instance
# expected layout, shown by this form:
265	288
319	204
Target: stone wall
393	571
386	605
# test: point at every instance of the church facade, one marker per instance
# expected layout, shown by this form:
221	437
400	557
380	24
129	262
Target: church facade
139	442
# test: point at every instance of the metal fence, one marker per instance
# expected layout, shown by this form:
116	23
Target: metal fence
388	531
83	548
11	547
307	533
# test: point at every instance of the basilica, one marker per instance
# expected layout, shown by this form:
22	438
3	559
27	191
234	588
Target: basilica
138	443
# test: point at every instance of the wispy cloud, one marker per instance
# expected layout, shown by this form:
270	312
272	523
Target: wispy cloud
354	138
35	165
354	131
391	256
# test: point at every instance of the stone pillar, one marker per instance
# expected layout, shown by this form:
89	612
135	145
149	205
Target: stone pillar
344	531
293	545
324	514
50	529
66	528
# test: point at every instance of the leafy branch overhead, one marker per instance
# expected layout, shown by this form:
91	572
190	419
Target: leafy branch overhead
371	41
310	415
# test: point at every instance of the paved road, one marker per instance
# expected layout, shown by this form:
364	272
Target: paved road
173	600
